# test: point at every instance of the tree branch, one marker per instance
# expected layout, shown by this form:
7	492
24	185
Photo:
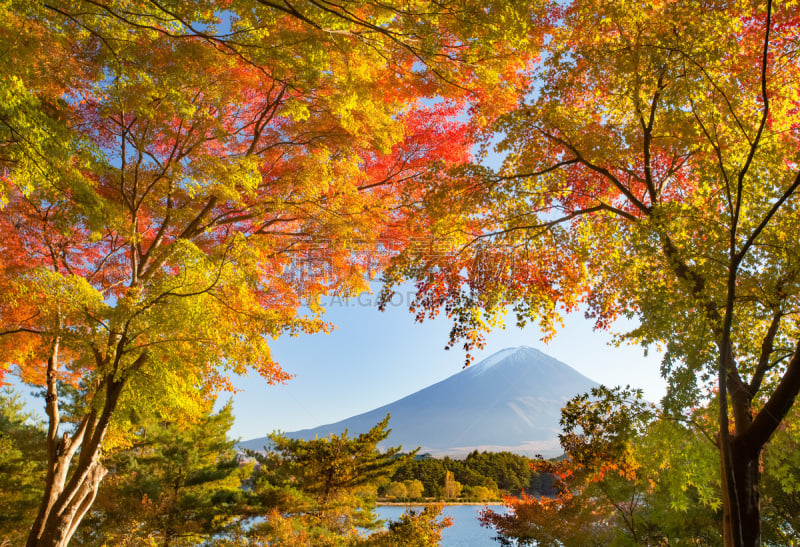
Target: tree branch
767	347
757	140
777	406
771	213
600	170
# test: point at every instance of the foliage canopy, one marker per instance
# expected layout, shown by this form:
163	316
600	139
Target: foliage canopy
179	178
649	171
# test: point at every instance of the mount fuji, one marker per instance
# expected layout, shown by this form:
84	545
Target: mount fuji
510	401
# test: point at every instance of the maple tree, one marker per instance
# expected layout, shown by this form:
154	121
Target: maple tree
649	171
179	178
629	476
633	473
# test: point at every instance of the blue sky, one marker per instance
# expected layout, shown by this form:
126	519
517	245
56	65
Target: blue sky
373	358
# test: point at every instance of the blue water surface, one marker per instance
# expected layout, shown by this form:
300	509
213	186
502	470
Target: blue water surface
466	531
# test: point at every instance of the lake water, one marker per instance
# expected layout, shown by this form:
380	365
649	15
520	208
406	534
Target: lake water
466	531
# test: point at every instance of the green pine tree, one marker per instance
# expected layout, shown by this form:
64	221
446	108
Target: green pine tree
22	467
178	484
322	492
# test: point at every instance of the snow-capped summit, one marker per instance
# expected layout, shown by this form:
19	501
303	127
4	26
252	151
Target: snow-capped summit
524	355
509	401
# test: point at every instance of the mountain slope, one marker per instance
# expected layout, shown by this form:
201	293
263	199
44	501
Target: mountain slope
509	401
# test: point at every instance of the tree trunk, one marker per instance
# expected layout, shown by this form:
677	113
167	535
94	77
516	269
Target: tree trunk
742	528
63	514
69	493
740	479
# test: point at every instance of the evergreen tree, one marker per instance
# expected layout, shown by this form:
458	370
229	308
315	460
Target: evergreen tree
322	492
22	467
178	484
326	467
